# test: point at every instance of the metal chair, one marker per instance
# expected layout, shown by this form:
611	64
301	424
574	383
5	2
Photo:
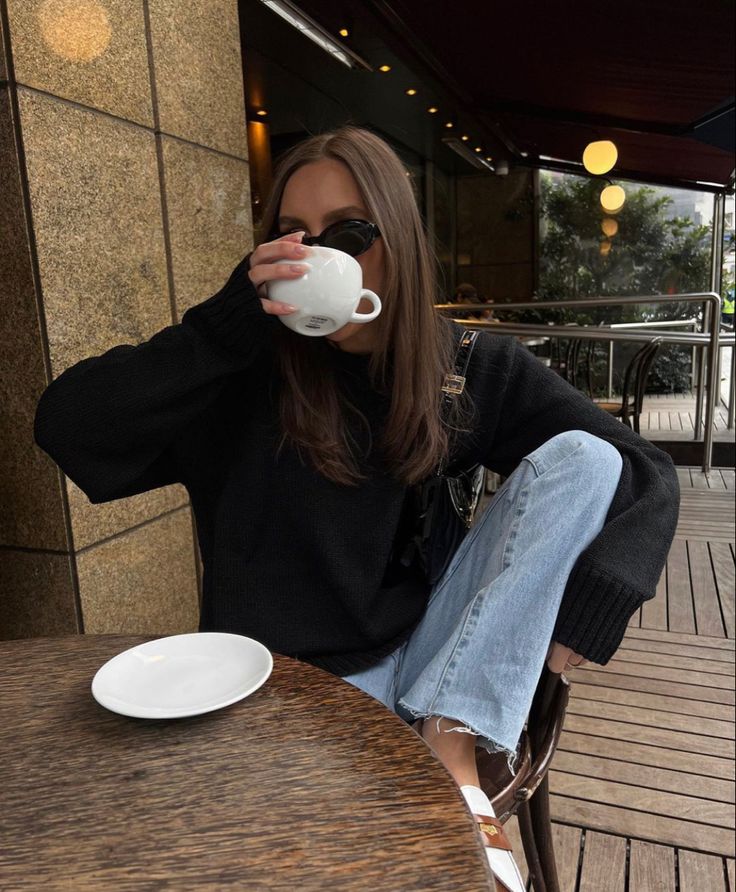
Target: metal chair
629	407
526	793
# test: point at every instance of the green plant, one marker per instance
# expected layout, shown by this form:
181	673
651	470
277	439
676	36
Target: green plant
650	255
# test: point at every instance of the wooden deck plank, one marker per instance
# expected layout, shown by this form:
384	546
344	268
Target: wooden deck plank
723	568
682	637
673	740
639	825
729	479
699	872
647	671
653	701
684	650
650	802
715	481
566	841
651	867
646	716
604	864
645	754
654	611
731	870
645	776
655	686
680	616
705	594
683	477
700	480
681	663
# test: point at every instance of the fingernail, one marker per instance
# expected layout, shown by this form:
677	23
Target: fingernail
290	307
299	267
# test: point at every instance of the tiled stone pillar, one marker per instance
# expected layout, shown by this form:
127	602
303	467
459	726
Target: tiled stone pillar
124	199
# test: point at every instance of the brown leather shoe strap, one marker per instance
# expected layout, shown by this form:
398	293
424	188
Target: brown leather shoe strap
493	833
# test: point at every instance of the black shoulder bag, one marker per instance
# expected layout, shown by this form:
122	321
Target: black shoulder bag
443	506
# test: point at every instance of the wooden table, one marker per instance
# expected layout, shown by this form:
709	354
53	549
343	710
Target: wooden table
308	784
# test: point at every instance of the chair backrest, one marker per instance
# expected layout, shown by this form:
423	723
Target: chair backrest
635	381
537	746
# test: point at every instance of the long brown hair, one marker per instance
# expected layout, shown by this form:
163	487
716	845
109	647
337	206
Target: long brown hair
414	346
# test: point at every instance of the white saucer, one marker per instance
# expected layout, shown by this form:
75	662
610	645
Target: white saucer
182	675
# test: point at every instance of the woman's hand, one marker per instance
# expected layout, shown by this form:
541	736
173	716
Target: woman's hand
561	658
264	268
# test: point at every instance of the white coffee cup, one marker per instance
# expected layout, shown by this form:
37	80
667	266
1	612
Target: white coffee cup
327	295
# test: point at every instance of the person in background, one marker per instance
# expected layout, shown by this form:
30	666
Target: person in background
465	293
727	308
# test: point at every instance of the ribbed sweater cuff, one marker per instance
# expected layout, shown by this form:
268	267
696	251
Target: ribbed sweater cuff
234	317
595	612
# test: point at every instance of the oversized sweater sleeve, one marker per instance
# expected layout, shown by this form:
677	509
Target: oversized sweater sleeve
621	567
111	422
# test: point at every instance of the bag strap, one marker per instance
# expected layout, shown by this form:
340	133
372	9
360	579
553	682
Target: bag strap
455	384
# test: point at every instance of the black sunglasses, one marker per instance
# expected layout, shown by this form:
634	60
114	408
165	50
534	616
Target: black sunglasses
354	237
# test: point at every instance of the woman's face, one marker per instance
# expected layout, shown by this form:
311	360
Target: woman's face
320	193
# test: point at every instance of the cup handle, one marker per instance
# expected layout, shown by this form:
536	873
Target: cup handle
375	300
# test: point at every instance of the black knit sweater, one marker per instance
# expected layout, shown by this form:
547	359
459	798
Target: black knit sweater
291	558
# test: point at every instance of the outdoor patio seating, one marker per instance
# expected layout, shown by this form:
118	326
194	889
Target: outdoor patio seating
628	408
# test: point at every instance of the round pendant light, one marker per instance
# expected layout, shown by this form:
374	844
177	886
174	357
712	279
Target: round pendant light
600	157
609	226
605	248
612	199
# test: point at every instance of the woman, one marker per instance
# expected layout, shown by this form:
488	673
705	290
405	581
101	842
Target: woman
298	454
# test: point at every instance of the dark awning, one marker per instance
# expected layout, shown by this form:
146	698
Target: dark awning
656	76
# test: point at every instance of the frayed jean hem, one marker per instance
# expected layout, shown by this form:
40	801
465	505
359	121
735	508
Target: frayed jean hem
481	740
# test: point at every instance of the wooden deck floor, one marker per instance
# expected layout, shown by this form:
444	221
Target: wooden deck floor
642	784
672	417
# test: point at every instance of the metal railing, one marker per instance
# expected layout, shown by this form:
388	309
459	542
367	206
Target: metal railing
709	340
674	323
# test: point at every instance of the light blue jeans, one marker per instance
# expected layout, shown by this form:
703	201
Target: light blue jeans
479	649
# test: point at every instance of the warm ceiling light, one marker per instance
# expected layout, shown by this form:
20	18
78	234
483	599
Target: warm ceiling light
385	68
449	124
432	110
478	149
488	158
612	199
343	32
464	138
600	157
605	248
411	91
609	226
262	113
458	146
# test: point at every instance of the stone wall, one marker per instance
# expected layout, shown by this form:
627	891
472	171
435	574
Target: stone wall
124	199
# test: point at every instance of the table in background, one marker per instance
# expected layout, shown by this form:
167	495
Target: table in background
307	784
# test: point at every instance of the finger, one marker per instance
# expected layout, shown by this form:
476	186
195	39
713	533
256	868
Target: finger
276	307
287	247
558	659
269	272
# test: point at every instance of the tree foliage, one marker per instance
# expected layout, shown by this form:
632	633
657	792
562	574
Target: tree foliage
650	254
